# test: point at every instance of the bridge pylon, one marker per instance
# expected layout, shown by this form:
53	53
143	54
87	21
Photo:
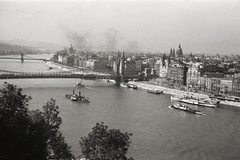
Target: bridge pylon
118	79
22	59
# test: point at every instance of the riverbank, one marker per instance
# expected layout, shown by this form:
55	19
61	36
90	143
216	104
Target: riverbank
167	90
175	92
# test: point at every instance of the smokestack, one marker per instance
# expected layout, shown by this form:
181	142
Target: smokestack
79	93
73	92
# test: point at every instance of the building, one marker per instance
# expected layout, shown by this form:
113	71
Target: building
193	74
236	85
151	62
226	85
205	83
177	72
163	67
157	67
179	53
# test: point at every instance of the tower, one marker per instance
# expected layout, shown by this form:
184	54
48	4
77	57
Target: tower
118	64
173	53
22	59
122	66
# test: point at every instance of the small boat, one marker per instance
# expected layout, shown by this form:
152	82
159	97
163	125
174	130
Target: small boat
79	84
75	97
111	80
123	84
185	108
133	86
155	91
48	67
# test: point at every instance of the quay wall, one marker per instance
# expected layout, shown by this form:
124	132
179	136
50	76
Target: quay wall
167	90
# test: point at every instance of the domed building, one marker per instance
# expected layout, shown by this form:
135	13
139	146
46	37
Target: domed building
179	52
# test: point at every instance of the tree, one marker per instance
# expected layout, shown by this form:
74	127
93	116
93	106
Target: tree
105	144
29	134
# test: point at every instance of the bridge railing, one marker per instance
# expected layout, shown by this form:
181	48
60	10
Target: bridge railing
19	75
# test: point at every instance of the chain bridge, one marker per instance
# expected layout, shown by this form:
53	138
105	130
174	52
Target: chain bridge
119	76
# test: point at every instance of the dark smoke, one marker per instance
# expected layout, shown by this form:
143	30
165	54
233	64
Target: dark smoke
111	40
79	41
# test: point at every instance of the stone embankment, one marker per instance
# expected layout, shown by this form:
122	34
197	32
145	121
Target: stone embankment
168	90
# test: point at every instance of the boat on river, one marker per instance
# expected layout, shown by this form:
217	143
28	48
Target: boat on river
79	97
133	86
79	84
208	103
155	91
182	107
48	67
196	101
111	80
123	84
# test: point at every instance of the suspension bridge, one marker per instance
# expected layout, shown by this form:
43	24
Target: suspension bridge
22	57
119	76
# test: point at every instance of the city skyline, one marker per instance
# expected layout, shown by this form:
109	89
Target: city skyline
209	27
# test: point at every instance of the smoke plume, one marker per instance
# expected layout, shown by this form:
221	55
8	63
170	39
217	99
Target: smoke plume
110	40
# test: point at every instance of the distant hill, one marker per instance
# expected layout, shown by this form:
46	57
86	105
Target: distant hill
35	44
7	48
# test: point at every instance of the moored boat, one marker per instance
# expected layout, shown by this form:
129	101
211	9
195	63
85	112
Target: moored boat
111	80
197	101
185	108
79	84
123	84
185	99
155	91
133	86
208	103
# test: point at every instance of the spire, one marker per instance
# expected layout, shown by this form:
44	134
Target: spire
163	59
179	46
171	53
123	56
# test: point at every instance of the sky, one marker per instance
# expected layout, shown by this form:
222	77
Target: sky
200	26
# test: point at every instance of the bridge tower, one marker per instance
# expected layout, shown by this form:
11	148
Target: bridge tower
120	65
22	59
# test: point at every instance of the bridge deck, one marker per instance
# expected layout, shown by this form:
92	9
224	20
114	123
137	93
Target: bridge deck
23	75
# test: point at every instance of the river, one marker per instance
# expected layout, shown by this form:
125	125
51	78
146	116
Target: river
159	133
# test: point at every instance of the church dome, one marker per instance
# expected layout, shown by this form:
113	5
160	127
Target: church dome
179	52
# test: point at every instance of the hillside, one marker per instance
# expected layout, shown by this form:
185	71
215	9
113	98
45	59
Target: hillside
34	44
15	49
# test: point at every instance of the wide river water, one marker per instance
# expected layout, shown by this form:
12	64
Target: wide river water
159	133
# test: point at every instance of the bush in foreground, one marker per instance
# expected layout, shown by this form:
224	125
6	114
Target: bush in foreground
104	144
29	134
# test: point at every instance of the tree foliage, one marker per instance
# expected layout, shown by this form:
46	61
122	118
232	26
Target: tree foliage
29	134
105	144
